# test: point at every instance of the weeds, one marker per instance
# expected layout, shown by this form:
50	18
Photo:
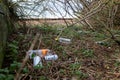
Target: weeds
88	52
12	50
81	75
13	47
117	64
66	65
74	68
14	66
43	78
8	73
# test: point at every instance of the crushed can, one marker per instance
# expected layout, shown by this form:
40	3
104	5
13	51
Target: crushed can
51	57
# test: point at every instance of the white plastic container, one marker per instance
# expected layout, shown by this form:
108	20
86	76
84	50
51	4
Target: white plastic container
64	40
51	57
37	61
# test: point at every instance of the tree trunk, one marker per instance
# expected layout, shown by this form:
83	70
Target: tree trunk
3	33
5	27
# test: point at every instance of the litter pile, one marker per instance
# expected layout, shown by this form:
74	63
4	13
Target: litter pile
42	53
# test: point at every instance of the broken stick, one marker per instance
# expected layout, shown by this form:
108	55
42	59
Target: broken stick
26	57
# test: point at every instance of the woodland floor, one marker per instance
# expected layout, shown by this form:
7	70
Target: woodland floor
90	56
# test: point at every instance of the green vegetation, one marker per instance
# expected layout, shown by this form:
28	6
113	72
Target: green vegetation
88	52
8	73
12	50
72	57
117	64
93	53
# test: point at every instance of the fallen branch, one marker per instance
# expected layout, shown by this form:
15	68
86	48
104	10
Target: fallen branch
26	57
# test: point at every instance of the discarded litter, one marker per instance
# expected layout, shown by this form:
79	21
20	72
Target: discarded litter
51	57
42	53
37	60
64	40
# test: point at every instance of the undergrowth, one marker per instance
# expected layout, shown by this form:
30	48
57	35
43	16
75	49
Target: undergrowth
84	58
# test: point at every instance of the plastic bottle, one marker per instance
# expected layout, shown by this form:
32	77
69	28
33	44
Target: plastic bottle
64	40
41	52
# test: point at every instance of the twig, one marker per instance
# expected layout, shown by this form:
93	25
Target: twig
26	57
40	40
90	14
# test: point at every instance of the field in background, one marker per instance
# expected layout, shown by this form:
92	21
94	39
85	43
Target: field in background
50	21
